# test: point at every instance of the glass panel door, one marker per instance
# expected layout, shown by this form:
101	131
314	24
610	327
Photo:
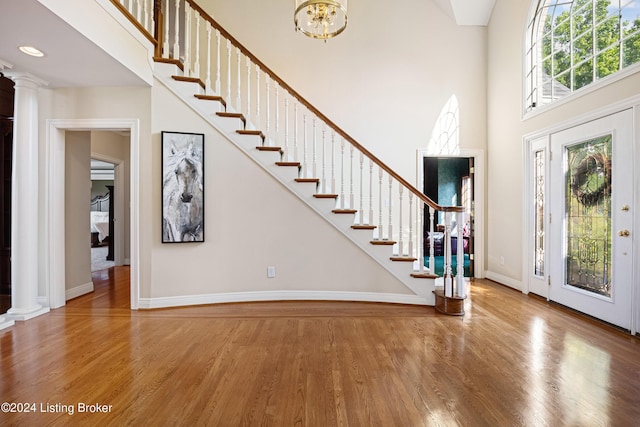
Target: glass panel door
591	205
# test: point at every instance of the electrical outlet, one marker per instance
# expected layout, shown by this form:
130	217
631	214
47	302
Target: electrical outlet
501	260
271	272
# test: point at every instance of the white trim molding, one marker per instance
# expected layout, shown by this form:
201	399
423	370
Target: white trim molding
54	236
78	291
504	280
186	300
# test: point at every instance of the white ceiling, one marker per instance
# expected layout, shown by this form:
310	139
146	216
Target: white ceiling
472	12
70	58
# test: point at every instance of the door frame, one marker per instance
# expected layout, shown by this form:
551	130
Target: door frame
527	213
478	198
54	233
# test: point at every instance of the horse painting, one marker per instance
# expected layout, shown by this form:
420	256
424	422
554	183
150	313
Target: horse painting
182	187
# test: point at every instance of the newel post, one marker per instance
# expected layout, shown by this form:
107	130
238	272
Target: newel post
158	22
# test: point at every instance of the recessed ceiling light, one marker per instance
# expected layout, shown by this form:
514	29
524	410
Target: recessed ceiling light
30	50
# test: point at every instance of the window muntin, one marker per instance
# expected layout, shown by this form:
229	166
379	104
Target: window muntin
573	43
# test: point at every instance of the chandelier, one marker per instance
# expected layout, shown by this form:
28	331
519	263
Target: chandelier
321	19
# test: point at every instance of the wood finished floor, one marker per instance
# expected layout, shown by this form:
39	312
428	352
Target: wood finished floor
512	360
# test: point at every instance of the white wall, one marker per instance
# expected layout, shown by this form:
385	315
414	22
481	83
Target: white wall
384	80
251	222
506	130
77	198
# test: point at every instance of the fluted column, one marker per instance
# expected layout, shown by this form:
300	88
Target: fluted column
24	200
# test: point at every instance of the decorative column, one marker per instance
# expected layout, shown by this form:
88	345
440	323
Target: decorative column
24	200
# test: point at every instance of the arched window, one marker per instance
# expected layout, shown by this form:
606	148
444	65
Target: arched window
573	43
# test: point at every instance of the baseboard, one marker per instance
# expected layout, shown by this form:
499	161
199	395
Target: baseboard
185	300
78	291
127	261
503	280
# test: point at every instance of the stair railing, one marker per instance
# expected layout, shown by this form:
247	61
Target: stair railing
380	199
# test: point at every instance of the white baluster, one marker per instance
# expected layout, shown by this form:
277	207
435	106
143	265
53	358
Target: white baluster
390	232
138	11
333	161
324	162
196	64
207	82
460	286
228	97
314	157
370	219
361	210
448	274
351	204
286	127
218	61
187	39
410	252
305	162
257	118
400	238
295	130
277	111
165	44
150	18
145	15
268	104
380	226
238	86
248	88
342	197
421	228
176	40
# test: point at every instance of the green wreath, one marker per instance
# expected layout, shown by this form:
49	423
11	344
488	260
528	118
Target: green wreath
591	180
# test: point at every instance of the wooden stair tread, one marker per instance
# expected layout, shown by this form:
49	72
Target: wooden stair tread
169	61
403	259
212	98
344	211
296	164
267	148
363	227
189	80
314	180
233	116
251	132
383	242
325	196
424	275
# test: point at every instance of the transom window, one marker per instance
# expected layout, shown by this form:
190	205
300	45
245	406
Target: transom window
573	43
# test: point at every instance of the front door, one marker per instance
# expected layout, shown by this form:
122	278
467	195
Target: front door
591	217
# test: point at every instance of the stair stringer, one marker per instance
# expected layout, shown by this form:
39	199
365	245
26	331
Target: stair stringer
286	175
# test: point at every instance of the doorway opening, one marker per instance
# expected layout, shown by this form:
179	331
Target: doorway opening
457	179
58	142
101	215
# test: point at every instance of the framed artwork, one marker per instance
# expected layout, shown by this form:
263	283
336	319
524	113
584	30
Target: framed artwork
182	187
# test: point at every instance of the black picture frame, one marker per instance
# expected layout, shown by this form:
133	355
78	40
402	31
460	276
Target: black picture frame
182	187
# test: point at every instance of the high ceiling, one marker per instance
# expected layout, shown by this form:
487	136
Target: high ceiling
72	60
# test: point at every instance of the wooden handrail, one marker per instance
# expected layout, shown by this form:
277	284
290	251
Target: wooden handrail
321	116
135	22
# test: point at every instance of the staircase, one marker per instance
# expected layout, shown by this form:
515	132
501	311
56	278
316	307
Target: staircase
273	125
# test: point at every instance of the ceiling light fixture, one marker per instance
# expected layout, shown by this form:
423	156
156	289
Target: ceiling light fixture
320	19
31	51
